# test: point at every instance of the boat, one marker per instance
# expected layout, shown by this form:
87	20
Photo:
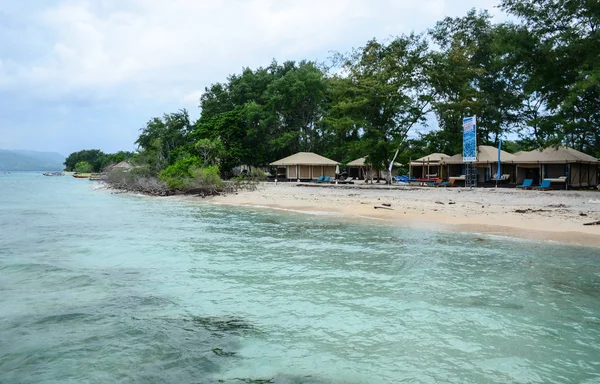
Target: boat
82	175
53	174
97	176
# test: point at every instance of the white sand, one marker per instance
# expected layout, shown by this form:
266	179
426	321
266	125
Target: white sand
477	210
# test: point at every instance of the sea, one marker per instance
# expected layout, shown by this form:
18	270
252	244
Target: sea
98	287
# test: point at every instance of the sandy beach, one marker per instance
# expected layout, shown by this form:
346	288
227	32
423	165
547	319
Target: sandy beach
541	215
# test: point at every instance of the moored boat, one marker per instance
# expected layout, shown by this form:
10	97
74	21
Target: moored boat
82	175
53	174
97	176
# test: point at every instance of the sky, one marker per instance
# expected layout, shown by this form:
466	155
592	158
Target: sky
89	74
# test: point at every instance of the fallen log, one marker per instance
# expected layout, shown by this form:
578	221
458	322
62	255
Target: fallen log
391	209
593	223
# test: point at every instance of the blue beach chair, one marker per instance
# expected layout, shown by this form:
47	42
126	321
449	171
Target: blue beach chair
527	183
544	186
319	180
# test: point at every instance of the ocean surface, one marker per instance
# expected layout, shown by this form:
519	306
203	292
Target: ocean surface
113	288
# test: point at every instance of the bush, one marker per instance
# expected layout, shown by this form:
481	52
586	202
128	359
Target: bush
206	178
83	167
129	181
142	171
177	176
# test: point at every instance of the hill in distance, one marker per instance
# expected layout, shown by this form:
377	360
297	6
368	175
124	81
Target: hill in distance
23	160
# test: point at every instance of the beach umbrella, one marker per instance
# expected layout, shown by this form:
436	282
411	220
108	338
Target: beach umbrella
337	169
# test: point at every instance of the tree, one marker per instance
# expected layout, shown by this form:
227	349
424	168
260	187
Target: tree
83	167
162	138
92	156
471	76
383	95
566	69
210	150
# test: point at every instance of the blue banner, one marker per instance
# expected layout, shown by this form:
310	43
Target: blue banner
469	140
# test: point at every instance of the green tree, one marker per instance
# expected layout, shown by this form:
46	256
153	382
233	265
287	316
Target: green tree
83	167
162	138
382	95
471	76
566	69
91	156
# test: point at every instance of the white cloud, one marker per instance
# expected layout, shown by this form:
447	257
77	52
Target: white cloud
171	48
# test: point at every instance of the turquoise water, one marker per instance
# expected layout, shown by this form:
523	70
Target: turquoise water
103	288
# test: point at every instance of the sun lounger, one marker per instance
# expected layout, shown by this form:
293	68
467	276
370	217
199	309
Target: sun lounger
447	183
527	184
325	180
319	180
544	186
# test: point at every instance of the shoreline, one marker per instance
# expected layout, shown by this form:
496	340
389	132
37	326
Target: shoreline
555	216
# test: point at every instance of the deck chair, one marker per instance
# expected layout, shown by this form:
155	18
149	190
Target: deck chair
527	183
447	183
319	180
324	180
544	186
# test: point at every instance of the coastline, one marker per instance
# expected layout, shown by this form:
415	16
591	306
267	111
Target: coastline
556	216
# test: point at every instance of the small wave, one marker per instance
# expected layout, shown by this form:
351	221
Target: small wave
65	317
32	267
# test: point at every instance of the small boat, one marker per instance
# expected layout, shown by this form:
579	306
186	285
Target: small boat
97	176
53	174
81	175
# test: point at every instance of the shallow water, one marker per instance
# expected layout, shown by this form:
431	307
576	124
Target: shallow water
100	288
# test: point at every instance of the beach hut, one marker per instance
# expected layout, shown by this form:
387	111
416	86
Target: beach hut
123	165
359	169
306	166
562	165
427	167
486	165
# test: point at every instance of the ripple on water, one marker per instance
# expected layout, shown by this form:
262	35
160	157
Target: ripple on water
117	288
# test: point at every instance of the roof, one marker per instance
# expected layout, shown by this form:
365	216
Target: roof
123	164
456	159
361	163
304	158
485	154
358	162
432	159
560	155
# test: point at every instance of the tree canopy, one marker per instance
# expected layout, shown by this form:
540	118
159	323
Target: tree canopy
533	83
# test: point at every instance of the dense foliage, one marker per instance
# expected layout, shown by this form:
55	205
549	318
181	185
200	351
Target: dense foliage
536	82
97	159
83	167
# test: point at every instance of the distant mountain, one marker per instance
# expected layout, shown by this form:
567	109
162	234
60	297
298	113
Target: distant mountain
30	161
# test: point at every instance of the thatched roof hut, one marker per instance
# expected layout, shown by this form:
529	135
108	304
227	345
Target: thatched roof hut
560	164
306	166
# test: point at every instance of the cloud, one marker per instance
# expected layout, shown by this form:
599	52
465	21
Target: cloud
159	43
141	58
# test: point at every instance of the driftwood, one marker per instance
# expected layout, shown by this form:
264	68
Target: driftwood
391	209
593	223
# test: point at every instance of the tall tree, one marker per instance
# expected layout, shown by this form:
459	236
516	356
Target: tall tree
471	77
162	138
382	94
568	66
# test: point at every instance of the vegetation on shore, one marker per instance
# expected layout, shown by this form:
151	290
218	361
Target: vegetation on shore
537	81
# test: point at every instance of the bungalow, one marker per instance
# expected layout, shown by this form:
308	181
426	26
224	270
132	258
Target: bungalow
562	165
306	166
427	166
486	164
